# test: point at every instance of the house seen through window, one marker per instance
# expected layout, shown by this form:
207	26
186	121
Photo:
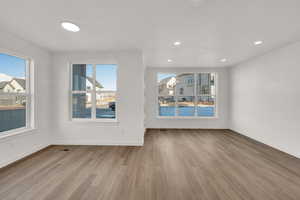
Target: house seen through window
94	89
186	94
14	93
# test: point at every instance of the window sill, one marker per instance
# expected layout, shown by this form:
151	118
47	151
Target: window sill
114	121
14	132
181	117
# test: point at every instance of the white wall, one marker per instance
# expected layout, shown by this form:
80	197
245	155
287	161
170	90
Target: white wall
265	99
130	101
15	147
263	93
152	121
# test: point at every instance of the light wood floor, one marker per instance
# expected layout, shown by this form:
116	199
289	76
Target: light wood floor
173	164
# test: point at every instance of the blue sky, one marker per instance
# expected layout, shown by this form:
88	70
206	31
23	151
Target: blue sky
105	74
15	67
12	66
162	76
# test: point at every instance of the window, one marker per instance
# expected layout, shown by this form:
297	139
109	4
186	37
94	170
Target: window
186	94
14	93
94	89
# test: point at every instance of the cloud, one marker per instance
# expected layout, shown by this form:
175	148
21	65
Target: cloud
5	77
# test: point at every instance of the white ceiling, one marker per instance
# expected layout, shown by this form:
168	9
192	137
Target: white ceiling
208	29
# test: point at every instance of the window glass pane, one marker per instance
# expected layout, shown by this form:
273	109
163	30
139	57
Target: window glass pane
206	84
82	77
166	84
206	106
106	86
12	112
185	84
82	105
106	77
106	105
12	74
166	106
186	106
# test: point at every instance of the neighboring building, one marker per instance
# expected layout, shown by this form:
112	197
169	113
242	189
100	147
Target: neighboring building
206	84
166	86
105	97
5	86
16	85
89	83
185	84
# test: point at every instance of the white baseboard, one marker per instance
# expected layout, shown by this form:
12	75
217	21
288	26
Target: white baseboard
22	155
101	143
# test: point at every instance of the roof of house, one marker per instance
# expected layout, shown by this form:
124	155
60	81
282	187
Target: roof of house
21	82
3	84
185	74
165	80
90	79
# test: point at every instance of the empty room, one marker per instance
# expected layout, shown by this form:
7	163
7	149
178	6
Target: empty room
150	100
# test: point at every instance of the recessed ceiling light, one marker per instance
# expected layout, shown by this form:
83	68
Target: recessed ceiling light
177	43
169	60
70	26
259	42
223	60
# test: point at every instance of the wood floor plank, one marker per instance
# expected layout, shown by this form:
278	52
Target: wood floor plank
175	164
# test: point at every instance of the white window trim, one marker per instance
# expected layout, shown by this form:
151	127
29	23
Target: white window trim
216	116
29	94
93	92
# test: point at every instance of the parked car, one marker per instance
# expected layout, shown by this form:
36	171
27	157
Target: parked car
112	105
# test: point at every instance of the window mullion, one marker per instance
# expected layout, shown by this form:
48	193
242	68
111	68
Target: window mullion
215	94
176	97
27	91
195	95
94	93
71	92
28	111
